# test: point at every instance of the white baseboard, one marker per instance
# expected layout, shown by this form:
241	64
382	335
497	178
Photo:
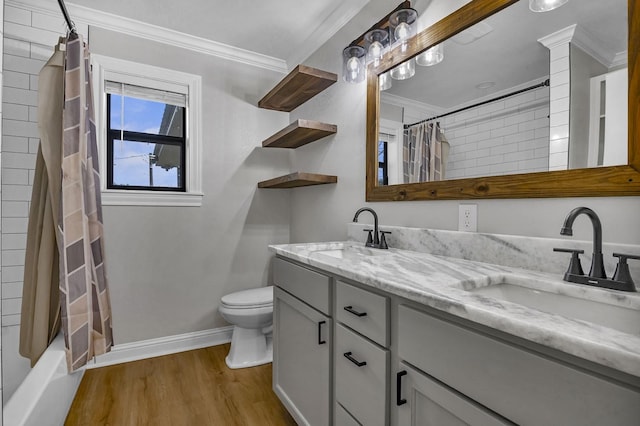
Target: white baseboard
128	352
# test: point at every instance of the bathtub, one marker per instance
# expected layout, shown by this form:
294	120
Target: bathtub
45	395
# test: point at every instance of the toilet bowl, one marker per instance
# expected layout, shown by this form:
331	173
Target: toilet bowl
251	313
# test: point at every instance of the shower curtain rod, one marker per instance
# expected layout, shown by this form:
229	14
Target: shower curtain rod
517	92
70	24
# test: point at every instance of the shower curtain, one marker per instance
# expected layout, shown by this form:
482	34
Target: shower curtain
40	313
424	153
83	294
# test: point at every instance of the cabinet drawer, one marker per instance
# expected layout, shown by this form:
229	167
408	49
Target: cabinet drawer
523	386
363	311
361	390
305	284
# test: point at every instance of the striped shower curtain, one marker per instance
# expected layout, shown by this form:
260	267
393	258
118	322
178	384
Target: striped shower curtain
422	158
84	297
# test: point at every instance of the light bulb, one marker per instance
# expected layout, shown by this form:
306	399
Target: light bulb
353	64
402	31
375	51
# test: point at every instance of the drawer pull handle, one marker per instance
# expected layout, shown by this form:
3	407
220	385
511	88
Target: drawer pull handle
354	312
399	400
321	341
353	360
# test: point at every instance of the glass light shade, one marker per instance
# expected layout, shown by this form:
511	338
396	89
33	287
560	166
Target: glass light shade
402	26
405	70
353	64
545	5
432	56
384	81
377	42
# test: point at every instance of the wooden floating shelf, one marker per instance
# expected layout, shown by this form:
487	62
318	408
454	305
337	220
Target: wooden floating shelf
299	86
298	179
298	133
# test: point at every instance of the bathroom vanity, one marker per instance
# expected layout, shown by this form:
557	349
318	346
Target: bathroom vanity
378	337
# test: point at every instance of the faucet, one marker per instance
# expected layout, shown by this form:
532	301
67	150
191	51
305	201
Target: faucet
621	279
597	261
378	240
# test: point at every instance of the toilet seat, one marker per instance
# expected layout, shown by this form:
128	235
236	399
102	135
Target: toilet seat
246	299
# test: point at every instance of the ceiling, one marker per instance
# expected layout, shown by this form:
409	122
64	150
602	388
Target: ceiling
510	54
283	29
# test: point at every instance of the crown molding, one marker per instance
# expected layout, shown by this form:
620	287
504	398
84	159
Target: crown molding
329	27
586	42
84	15
558	38
620	59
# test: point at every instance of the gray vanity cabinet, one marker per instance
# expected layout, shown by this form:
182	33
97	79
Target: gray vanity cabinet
424	401
386	360
302	343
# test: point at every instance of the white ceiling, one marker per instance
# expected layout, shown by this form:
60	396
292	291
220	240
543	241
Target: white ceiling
283	29
510	55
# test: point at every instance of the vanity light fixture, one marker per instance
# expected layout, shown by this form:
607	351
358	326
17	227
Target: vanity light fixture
402	26
545	5
377	42
431	56
405	70
373	44
353	64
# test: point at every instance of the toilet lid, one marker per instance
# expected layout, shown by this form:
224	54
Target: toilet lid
254	297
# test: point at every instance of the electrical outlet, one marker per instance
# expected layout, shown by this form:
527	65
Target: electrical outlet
468	217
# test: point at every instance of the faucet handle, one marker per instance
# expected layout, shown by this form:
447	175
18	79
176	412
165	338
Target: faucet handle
622	273
383	240
369	236
575	267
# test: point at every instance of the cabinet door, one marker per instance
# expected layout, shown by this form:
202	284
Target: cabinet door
301	359
420	400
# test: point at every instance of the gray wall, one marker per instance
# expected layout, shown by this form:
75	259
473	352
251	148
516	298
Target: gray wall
321	213
168	267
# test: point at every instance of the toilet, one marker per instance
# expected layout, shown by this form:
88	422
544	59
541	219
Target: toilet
251	313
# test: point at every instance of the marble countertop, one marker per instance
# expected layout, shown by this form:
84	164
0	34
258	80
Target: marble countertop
443	283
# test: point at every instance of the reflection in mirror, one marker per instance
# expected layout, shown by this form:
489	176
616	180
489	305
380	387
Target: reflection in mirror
516	93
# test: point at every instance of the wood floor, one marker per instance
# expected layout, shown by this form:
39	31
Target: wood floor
188	388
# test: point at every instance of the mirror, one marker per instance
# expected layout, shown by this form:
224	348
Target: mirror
523	144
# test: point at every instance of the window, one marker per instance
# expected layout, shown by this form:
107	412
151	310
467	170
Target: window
145	138
148	128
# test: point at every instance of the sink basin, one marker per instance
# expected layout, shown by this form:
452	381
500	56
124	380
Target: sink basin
353	252
577	306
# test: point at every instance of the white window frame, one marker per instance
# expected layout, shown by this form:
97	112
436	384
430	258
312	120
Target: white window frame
121	71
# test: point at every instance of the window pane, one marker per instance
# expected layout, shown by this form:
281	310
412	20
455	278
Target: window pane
145	116
147	164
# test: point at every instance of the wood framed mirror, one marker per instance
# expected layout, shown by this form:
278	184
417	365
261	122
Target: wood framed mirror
620	180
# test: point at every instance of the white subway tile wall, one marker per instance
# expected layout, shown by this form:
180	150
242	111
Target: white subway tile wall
559	106
28	42
506	136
